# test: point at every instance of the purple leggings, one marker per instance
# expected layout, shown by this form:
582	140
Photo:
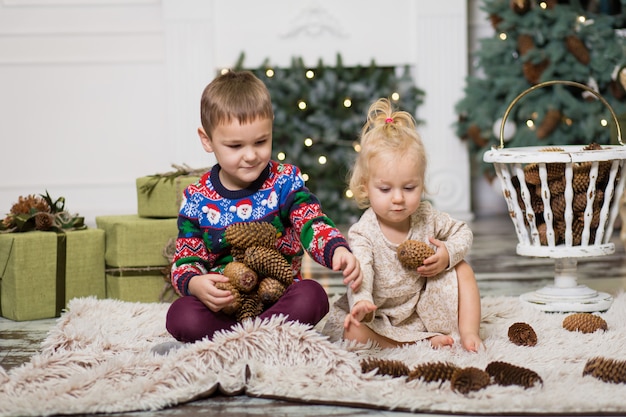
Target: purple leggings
188	320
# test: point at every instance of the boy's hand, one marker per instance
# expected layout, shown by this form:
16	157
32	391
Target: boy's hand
437	263
345	261
358	313
203	288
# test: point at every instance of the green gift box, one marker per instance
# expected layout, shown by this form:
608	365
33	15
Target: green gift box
41	271
134	241
145	287
161	197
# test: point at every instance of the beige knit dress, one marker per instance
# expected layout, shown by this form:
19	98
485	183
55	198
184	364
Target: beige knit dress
410	307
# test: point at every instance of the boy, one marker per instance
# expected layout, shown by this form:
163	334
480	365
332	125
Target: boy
244	186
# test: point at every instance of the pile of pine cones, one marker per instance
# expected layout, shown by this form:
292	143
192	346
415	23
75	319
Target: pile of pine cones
556	184
258	274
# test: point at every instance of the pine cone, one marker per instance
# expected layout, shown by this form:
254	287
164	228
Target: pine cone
411	253
241	276
607	370
580	180
270	263
469	379
270	290
251	306
245	235
507	374
522	334
44	221
473	131
532	72
531	174
520	6
550	122
584	322
385	367
432	371
525	43
238	253
577	48
233	307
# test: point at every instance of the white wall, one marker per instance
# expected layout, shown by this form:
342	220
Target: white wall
95	93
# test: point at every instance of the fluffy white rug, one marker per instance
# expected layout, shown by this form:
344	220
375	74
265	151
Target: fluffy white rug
97	359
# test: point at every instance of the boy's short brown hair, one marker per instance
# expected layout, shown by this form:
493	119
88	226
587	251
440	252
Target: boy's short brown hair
236	95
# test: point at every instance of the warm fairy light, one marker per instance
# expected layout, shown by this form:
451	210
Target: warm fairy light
569	121
347	103
302	105
309	74
321	160
305	177
349	193
543	5
604	123
308	142
502	36
534	115
224	71
269	73
395	96
530	123
281	156
582	19
357	146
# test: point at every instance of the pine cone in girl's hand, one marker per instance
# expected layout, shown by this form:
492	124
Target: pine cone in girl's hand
270	290
584	322
233	307
269	262
244	235
411	253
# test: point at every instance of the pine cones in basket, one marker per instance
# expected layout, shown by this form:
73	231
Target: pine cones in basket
411	253
554	189
258	274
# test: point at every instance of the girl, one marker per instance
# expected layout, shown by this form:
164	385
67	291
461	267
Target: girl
395	305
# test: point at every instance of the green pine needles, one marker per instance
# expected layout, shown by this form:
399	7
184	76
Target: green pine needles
536	41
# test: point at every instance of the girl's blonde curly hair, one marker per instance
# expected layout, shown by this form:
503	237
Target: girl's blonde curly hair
390	134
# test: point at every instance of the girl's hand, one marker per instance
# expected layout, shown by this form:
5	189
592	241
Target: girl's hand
358	313
345	261
203	288
436	264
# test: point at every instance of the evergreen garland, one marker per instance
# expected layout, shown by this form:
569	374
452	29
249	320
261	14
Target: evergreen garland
536	41
319	112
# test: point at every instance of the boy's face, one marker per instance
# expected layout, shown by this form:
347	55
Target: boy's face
394	190
242	150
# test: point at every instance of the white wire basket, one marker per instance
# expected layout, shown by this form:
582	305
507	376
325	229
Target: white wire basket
563	202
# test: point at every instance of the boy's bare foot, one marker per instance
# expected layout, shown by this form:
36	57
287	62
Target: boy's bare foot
440	341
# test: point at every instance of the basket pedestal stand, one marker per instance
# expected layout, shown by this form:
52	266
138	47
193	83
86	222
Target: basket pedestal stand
566	295
565	235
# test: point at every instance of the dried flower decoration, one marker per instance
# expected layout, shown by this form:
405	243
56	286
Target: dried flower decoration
40	213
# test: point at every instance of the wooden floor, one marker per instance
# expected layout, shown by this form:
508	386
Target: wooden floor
499	271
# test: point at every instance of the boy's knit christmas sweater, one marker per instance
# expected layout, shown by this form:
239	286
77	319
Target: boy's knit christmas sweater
278	196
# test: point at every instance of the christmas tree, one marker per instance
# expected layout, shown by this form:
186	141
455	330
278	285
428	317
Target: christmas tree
538	41
318	115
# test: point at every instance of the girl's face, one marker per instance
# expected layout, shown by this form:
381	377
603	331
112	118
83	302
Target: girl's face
242	150
394	190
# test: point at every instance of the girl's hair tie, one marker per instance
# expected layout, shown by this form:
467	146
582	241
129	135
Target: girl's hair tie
388	120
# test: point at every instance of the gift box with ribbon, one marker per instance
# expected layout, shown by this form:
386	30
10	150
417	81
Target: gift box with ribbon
160	195
47	257
138	256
